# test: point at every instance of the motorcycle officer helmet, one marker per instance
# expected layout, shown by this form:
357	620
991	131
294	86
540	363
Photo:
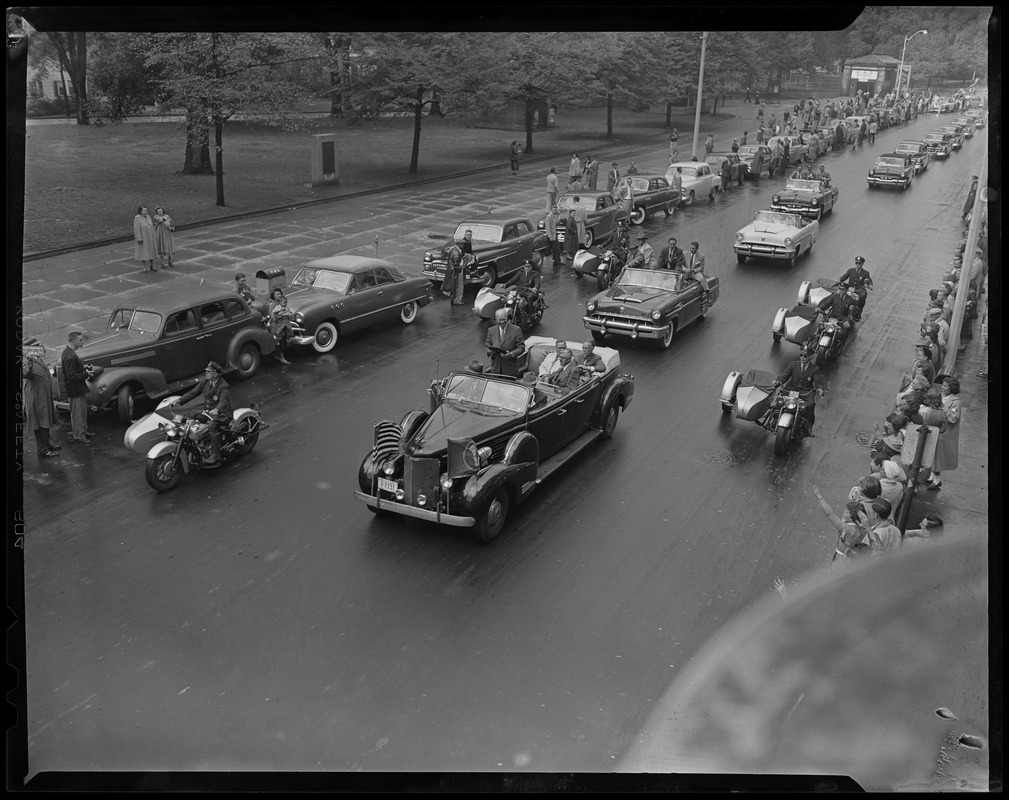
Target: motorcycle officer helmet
806	351
859	260
214	367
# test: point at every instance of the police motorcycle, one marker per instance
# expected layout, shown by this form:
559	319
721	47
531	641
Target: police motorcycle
812	323
177	441
521	312
755	397
607	263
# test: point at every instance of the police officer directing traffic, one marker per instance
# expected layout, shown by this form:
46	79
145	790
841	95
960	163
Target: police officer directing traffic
216	403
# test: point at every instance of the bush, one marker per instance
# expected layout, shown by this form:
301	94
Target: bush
47	107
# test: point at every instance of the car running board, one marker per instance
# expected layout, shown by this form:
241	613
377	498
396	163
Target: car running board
550	465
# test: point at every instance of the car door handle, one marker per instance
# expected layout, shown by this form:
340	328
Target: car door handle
204	336
562	411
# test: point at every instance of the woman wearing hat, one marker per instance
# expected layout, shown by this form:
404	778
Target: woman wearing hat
163	241
143	235
947	449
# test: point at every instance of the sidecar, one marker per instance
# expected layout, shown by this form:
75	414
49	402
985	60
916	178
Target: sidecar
146	432
796	325
816	293
586	262
749	393
488	300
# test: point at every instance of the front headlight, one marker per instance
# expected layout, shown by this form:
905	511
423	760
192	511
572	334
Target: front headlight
299	317
788	241
739	236
775	199
446	482
656	315
170	429
816	201
590	306
485	454
428	258
388	469
872	172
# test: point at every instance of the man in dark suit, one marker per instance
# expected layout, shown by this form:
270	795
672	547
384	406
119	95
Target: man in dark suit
504	345
859	279
76	376
671	256
804	377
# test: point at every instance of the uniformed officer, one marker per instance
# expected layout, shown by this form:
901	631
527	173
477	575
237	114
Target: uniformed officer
804	377
859	279
216	403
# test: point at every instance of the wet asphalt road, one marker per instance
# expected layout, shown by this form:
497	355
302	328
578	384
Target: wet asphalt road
259	618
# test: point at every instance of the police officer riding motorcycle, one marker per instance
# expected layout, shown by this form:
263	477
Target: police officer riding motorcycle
859	279
217	409
527	284
804	378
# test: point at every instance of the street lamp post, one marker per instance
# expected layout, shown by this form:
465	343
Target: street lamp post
700	85
900	70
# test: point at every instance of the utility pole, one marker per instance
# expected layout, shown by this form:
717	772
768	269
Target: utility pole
700	86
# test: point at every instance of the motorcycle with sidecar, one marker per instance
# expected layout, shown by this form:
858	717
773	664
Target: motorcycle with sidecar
755	398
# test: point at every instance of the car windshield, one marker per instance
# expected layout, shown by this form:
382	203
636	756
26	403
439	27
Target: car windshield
800	185
664	280
481	232
777	218
323	279
637	184
132	319
889	162
748	150
491	394
689	172
567	201
935	137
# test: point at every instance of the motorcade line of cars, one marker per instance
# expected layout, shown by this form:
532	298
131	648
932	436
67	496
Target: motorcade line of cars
501	246
808	197
602	215
891	169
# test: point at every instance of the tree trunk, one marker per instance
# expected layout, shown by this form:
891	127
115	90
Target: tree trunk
609	115
197	145
669	115
219	158
335	95
418	109
72	50
529	126
66	96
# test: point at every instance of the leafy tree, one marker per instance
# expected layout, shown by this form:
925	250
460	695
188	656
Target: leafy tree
72	51
120	82
217	75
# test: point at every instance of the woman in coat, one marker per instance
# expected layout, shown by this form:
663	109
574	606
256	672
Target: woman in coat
38	403
281	326
947	449
163	241
143	234
571	242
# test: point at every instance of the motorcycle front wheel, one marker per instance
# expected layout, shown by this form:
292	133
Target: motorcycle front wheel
603	280
163	473
782	439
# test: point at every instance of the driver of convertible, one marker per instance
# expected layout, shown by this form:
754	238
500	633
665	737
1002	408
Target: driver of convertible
216	404
528	282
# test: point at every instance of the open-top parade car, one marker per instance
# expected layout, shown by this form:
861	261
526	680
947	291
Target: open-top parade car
501	246
159	341
487	441
777	235
650	304
811	198
918	152
891	169
331	297
602	215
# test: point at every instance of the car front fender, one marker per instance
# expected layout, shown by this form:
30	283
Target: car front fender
102	390
518	479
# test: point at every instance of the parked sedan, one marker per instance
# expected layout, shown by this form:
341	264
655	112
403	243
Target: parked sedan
939	144
159	342
697	180
715	161
649	193
796	148
488	441
334	296
602	215
892	169
827	135
776	235
918	153
649	304
748	156
811	198
501	246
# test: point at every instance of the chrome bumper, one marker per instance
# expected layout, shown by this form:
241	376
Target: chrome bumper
640	329
762	250
413	511
885	179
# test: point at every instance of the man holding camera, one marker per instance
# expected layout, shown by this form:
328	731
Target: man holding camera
76	376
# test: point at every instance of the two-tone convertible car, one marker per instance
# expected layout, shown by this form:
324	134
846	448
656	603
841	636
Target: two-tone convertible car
159	342
602	215
811	198
891	169
649	304
334	296
501	246
918	153
776	235
487	441
649	194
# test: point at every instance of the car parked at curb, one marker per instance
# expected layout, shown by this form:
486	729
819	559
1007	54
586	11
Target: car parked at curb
331	297
748	156
918	152
602	215
715	161
776	235
697	180
649	304
487	441
649	193
159	341
891	169
978	116
939	144
796	148
501	245
810	198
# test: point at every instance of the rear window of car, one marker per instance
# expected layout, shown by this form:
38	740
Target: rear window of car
909	147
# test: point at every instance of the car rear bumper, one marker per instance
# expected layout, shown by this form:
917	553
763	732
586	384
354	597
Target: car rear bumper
636	329
429	514
796	208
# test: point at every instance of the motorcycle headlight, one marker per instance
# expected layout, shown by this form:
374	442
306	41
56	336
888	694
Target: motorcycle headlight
739	237
170	429
590	306
788	241
388	469
656	315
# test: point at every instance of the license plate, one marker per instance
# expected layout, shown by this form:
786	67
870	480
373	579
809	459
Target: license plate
385	485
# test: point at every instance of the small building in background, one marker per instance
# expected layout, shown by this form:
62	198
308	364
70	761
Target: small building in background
874	75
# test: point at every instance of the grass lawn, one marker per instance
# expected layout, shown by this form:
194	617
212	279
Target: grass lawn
83	183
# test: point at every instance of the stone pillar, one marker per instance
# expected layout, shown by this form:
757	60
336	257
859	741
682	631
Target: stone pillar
325	166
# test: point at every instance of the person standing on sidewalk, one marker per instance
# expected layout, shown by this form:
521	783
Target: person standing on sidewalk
75	377
163	240
552	188
709	144
674	139
947	450
747	98
873	127
552	221
574	170
143	233
516	151
612	177
281	324
37	396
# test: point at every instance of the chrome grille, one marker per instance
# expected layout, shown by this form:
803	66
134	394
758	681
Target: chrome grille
420	476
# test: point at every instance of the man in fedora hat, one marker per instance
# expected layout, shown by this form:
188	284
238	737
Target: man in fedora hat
644	258
216	404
